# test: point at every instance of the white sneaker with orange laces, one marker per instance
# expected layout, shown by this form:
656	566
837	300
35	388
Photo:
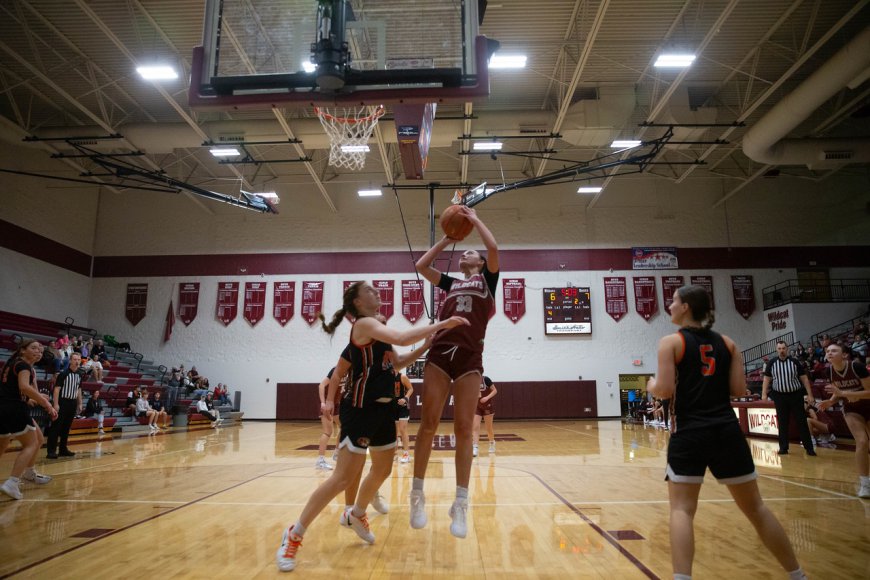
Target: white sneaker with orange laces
286	556
360	525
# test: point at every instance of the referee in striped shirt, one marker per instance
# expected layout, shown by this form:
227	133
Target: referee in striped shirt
790	383
67	402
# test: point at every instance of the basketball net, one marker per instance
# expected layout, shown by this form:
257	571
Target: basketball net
349	131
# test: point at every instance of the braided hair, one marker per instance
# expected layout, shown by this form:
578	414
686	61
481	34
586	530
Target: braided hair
347	307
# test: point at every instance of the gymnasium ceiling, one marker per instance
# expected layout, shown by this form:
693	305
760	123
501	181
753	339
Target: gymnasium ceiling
68	65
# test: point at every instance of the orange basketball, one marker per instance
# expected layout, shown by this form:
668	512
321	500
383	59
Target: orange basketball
455	225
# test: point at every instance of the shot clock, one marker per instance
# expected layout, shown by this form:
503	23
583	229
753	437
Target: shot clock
567	311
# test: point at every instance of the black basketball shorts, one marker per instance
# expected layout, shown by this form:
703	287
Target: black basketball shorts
722	448
372	426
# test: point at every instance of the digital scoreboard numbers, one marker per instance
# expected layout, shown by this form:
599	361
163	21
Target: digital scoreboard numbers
567	311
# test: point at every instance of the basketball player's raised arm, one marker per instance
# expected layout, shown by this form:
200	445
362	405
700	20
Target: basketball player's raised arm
665	382
401	361
737	376
424	264
488	240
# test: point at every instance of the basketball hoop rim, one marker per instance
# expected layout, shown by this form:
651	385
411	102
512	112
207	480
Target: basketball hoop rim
324	114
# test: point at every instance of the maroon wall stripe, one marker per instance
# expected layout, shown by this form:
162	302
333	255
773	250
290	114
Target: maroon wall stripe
511	260
30	244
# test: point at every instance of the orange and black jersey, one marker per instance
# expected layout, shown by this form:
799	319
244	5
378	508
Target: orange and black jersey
371	372
703	394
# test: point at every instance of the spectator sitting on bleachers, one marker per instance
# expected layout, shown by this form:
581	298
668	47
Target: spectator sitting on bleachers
143	409
222	394
94	368
99	350
132	397
86	349
94	409
157	405
193	375
205	407
57	364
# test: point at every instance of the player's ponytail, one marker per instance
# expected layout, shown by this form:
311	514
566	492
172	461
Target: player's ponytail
347	307
699	303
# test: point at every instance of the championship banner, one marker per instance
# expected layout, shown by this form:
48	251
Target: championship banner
283	301
440	297
387	291
412	300
312	300
255	302
744	295
137	300
654	259
227	301
645	301
188	301
670	284
615	299
514	290
705	282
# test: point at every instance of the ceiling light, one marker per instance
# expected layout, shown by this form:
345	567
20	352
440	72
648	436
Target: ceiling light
488	146
355	149
267	194
589	189
507	61
674	60
160	72
224	151
308	66
625	143
369	193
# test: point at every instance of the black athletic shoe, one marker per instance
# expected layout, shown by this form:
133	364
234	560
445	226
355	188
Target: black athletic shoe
782	452
811	453
51	456
67	453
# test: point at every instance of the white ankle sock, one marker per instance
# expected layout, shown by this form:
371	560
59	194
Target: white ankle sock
461	492
864	479
682	577
298	529
417	484
14	479
29	471
797	575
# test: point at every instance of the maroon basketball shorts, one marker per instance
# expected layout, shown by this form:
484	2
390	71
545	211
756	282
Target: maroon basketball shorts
861	407
484	409
455	361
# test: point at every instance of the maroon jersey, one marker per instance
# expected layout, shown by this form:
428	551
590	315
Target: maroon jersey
472	298
485	387
850	378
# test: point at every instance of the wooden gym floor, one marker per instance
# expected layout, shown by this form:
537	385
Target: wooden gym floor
572	499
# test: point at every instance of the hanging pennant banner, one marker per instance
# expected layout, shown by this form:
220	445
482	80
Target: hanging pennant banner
137	300
440	296
227	301
705	282
670	284
312	300
188	301
514	290
412	300
255	302
615	300
744	295
283	301
387	290
645	300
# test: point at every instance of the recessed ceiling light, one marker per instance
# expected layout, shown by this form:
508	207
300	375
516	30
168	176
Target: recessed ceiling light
507	61
487	146
674	60
224	151
355	149
308	66
369	193
625	143
589	189
160	72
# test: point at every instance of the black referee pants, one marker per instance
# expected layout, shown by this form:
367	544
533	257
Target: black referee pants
790	405
60	427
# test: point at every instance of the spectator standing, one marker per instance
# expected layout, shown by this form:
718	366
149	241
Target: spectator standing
67	402
789	383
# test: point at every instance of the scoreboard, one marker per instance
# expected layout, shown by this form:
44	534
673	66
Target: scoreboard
567	311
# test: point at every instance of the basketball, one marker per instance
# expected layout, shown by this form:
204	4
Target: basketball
455	225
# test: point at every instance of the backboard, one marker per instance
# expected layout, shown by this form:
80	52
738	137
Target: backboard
264	53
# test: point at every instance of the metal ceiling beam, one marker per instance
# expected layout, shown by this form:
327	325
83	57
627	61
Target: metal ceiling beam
787	75
745	183
572	24
279	116
83	6
575	79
